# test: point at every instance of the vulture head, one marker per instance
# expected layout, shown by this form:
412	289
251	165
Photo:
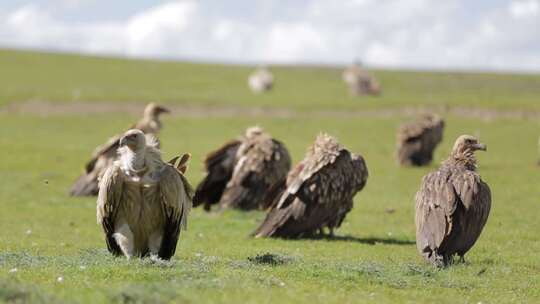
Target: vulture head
467	143
133	139
153	110
464	148
254	131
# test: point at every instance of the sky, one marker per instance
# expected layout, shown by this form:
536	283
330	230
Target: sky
412	34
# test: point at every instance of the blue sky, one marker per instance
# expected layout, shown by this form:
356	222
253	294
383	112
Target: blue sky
428	34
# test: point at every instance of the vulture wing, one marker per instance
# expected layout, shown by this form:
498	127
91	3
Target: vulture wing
316	196
175	196
473	211
259	168
102	158
108	201
220	166
108	150
451	209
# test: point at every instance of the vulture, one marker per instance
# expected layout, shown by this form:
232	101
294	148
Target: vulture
360	82
105	155
318	193
452	205
261	80
417	140
143	202
242	173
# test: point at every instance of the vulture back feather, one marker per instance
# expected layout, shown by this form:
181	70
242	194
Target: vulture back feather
318	194
261	163
417	141
219	165
242	173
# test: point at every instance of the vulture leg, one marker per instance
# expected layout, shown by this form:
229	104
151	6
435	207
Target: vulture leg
331	230
125	239
154	244
462	258
438	260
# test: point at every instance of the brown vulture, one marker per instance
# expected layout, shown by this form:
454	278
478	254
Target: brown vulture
360	82
241	173
261	80
143	202
417	140
318	193
105	155
452	205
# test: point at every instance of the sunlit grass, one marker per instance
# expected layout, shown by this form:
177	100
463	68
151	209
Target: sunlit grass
47	235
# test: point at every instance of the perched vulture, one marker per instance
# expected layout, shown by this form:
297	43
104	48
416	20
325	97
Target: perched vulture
360	82
318	193
143	203
105	155
261	80
242	172
452	205
417	140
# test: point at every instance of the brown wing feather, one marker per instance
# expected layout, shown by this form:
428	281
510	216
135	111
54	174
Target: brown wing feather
416	141
471	214
322	200
176	200
257	171
109	198
219	165
452	207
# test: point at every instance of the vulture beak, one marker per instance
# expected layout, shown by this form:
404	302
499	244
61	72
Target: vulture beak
123	141
480	146
126	140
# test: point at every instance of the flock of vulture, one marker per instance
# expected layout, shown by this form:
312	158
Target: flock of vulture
143	202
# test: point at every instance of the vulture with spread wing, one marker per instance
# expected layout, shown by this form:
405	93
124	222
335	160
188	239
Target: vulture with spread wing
143	203
105	155
360	82
242	172
452	205
318	193
417	140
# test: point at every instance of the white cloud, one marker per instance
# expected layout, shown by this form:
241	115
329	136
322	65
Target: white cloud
524	8
395	33
151	32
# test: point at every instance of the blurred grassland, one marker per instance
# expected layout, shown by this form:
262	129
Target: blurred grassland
64	78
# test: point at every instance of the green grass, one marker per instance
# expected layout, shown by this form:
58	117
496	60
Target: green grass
53	77
373	259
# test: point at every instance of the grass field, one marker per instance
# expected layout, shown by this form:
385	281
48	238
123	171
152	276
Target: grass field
46	235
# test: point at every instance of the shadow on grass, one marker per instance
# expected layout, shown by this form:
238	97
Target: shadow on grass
367	241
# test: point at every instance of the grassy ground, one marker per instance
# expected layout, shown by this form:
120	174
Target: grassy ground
47	235
69	78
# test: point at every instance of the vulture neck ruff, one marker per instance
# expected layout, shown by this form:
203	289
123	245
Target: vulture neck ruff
464	158
260	141
133	162
324	151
